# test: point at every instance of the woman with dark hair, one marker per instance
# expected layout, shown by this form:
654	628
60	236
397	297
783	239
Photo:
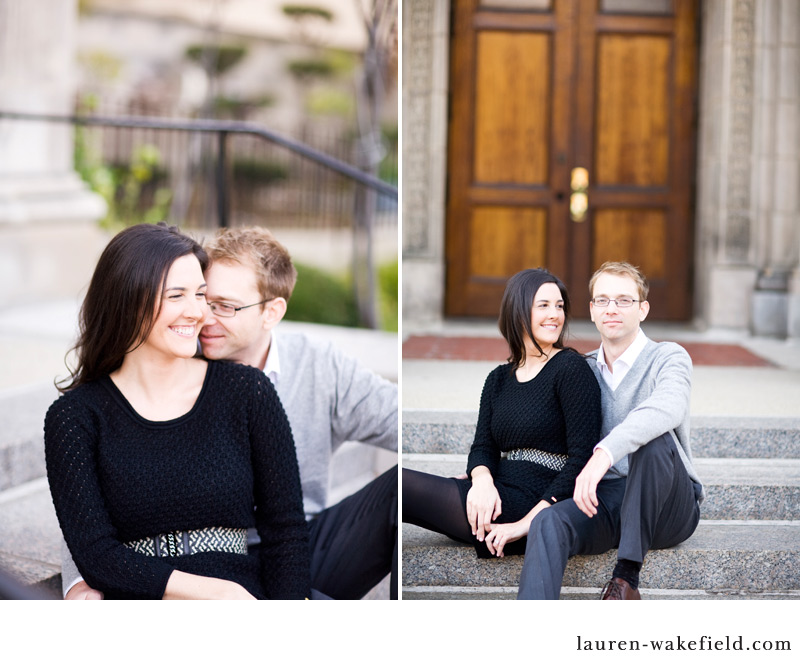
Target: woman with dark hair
158	461
539	420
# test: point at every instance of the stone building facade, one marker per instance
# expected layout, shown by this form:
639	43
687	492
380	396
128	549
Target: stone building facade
746	262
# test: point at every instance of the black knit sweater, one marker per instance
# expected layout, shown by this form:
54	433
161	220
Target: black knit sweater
229	462
558	412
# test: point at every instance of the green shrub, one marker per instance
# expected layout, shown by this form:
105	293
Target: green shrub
221	58
321	67
330	102
239	108
259	171
306	11
320	297
387	295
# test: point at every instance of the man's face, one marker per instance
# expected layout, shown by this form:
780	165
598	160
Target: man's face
245	336
617	324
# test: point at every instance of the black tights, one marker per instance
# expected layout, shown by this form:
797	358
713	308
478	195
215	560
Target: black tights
435	503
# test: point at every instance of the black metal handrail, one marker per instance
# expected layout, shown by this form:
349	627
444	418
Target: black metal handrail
223	128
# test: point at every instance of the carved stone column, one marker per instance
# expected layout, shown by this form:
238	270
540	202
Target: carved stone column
777	166
726	272
748	202
48	234
425	89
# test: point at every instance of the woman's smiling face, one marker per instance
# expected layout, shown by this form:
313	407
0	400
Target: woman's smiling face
183	310
547	317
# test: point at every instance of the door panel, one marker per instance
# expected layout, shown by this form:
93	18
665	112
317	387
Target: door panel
508	145
635	235
506	240
537	92
632	110
512	103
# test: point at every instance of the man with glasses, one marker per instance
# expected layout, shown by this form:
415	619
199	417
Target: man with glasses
639	491
329	398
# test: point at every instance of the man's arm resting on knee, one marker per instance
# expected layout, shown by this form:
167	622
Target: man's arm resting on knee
585	494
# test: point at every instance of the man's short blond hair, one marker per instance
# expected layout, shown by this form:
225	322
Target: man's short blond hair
257	248
622	269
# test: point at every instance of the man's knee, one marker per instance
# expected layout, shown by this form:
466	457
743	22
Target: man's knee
552	522
661	447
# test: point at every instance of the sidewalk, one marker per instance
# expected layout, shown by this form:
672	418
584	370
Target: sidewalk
440	371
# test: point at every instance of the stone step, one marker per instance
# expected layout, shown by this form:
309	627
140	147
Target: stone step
751	559
21	433
30	545
452	432
578	593
736	488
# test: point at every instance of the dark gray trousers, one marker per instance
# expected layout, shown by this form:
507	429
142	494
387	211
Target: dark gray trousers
354	542
654	507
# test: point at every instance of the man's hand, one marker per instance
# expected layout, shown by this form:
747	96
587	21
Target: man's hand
82	591
585	495
483	502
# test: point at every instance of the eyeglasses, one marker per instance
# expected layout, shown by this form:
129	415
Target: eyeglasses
228	310
619	302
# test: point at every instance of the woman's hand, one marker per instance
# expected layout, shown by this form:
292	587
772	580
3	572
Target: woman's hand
185	586
497	538
483	502
505	533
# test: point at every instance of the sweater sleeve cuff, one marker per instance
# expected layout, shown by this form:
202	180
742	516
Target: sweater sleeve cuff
606	450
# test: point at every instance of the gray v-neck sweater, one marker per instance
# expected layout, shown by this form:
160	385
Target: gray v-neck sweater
652	399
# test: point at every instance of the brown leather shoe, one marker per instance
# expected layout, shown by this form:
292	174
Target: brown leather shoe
618	589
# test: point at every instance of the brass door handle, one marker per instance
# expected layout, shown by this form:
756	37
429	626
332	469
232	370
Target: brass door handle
579	200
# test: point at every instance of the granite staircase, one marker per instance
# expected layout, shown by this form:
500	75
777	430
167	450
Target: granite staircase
747	545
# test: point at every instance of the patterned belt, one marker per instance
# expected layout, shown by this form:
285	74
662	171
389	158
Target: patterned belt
175	544
551	461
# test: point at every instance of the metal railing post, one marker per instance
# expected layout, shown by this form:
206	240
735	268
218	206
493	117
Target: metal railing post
223	197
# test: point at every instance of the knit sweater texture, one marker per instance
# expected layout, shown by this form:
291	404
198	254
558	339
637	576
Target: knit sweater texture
558	412
229	462
330	398
652	399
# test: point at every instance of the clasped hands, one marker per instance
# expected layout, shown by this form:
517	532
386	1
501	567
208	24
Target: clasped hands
483	508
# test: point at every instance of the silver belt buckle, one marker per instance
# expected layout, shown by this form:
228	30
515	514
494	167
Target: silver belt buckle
171	544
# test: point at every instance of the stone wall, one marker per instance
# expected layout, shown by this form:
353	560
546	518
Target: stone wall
748	166
48	235
425	88
747	205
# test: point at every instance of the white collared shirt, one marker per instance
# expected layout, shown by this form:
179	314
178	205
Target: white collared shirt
272	367
622	365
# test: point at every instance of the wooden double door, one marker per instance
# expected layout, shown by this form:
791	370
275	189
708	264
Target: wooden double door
571	142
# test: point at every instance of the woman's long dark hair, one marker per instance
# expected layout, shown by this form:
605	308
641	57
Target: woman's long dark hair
515	311
124	297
